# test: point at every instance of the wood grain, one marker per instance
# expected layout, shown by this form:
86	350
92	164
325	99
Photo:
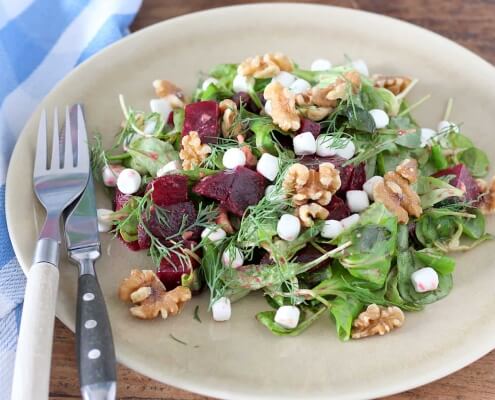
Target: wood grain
470	23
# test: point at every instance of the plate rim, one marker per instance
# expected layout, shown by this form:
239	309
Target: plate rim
477	351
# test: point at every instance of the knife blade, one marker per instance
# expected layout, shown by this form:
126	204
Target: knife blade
95	349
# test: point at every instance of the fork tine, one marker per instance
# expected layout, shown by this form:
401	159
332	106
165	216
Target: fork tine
82	141
55	163
41	150
68	157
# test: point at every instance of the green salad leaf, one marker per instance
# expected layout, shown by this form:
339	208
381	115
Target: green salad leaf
373	245
148	154
434	190
343	311
476	161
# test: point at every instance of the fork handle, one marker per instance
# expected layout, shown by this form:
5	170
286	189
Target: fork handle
34	346
95	350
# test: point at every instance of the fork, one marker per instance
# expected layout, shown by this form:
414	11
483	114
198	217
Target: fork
56	186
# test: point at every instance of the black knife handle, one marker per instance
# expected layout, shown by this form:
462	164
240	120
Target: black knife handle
95	351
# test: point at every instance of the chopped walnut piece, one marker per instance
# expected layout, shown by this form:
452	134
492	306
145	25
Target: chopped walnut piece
305	185
148	292
340	88
230	127
284	113
408	169
397	196
377	320
307	213
266	66
396	84
223	221
487	204
193	153
315	113
169	91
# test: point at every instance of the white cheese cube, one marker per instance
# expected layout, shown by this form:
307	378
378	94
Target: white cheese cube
380	117
288	227
214	233
161	106
370	183
169	168
424	280
324	145
287	317
347	151
129	181
304	144
426	135
331	229
268	166
284	78
110	174
446	126
242	83
104	221
221	309
232	257
321	64
299	86
349	221
357	200
234	158
361	67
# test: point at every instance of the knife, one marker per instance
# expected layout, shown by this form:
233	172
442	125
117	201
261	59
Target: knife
95	350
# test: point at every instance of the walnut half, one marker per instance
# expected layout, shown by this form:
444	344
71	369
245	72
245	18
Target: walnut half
266	66
305	185
284	113
377	320
144	289
487	203
396	193
307	213
193	152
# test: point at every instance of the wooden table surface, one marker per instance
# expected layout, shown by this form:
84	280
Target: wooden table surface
470	23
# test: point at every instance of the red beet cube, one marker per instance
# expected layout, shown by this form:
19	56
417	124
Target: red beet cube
202	117
338	209
134	245
216	187
143	238
358	177
172	268
310	253
168	189
120	199
462	179
247	189
236	190
309	126
168	221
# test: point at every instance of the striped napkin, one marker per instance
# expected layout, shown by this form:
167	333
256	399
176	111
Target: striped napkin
40	42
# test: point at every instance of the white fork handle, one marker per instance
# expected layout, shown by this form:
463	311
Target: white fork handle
34	347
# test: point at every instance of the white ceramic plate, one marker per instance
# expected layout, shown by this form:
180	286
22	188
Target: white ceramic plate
241	359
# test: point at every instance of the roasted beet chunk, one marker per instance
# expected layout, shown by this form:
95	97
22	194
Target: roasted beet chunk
168	221
172	268
236	190
216	187
338	209
462	179
168	189
120	199
245	99
310	253
247	189
309	126
134	245
358	177
143	238
202	117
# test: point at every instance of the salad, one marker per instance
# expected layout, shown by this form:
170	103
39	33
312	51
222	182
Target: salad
316	187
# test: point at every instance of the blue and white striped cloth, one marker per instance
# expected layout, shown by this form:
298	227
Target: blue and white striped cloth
40	42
